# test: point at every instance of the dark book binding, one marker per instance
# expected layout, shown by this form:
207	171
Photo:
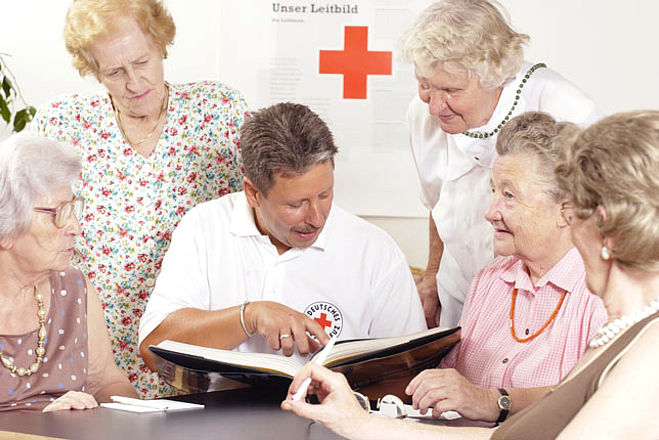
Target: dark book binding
378	372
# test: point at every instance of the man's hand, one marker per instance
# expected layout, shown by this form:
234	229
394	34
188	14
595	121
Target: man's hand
284	328
427	288
445	389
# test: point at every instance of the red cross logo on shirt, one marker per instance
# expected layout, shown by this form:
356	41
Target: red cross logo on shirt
355	62
323	320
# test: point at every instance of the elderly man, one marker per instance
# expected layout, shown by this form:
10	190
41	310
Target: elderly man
277	266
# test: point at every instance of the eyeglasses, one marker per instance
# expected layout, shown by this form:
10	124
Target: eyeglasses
567	213
62	213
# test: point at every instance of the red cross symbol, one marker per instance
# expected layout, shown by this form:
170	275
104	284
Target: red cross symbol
323	320
355	62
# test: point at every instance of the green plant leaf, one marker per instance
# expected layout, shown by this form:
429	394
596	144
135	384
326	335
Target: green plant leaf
4	110
6	86
20	120
33	111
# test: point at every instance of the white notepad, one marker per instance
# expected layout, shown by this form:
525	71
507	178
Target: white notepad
149	406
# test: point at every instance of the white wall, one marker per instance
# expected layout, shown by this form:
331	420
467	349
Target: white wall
608	48
411	234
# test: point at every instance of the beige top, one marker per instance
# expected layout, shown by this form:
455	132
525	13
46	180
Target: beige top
549	416
64	367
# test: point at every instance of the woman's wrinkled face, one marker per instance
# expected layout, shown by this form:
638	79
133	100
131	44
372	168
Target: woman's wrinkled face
45	247
130	67
458	101
525	218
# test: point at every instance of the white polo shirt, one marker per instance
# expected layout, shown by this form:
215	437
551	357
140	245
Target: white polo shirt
454	171
353	280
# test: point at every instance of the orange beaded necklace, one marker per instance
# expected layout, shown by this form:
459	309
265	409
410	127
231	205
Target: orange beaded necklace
551	318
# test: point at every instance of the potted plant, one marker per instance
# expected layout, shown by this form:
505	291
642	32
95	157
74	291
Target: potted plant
12	98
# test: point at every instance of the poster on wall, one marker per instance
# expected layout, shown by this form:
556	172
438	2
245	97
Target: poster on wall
342	59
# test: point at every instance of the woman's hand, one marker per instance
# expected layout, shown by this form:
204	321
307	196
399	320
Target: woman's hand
72	400
445	389
338	409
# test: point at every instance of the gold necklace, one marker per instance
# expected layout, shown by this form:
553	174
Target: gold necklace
8	362
153	130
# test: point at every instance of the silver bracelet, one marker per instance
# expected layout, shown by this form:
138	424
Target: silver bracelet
242	319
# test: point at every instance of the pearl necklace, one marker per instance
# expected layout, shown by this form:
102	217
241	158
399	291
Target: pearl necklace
510	113
610	330
8	362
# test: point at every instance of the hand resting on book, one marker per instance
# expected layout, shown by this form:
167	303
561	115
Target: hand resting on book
274	321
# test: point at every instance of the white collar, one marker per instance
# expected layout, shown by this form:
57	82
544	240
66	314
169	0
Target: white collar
243	223
484	149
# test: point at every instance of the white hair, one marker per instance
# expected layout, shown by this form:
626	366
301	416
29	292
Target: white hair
465	35
31	168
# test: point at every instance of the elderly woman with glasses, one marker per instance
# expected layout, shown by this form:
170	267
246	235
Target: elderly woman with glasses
472	79
610	176
55	351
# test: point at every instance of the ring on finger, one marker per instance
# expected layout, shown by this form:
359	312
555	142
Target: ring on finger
284	336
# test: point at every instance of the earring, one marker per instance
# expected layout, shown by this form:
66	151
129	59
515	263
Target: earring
605	254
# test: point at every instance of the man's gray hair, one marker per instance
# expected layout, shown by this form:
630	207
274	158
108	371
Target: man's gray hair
284	138
31	168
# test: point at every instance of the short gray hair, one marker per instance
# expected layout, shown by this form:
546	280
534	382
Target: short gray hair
284	138
31	167
540	135
468	35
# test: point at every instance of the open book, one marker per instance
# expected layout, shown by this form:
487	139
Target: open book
362	361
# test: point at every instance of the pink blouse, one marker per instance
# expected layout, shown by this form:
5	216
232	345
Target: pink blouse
488	355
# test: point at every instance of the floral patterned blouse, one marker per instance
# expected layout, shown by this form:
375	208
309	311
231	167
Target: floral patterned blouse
133	203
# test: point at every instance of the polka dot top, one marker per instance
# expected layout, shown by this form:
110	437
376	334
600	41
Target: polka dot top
64	366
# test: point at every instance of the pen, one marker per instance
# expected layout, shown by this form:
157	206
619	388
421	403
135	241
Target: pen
319	360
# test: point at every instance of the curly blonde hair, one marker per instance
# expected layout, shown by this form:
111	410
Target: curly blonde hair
613	164
87	20
465	35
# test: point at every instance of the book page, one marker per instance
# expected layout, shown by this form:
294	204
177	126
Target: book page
345	350
364	351
259	361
